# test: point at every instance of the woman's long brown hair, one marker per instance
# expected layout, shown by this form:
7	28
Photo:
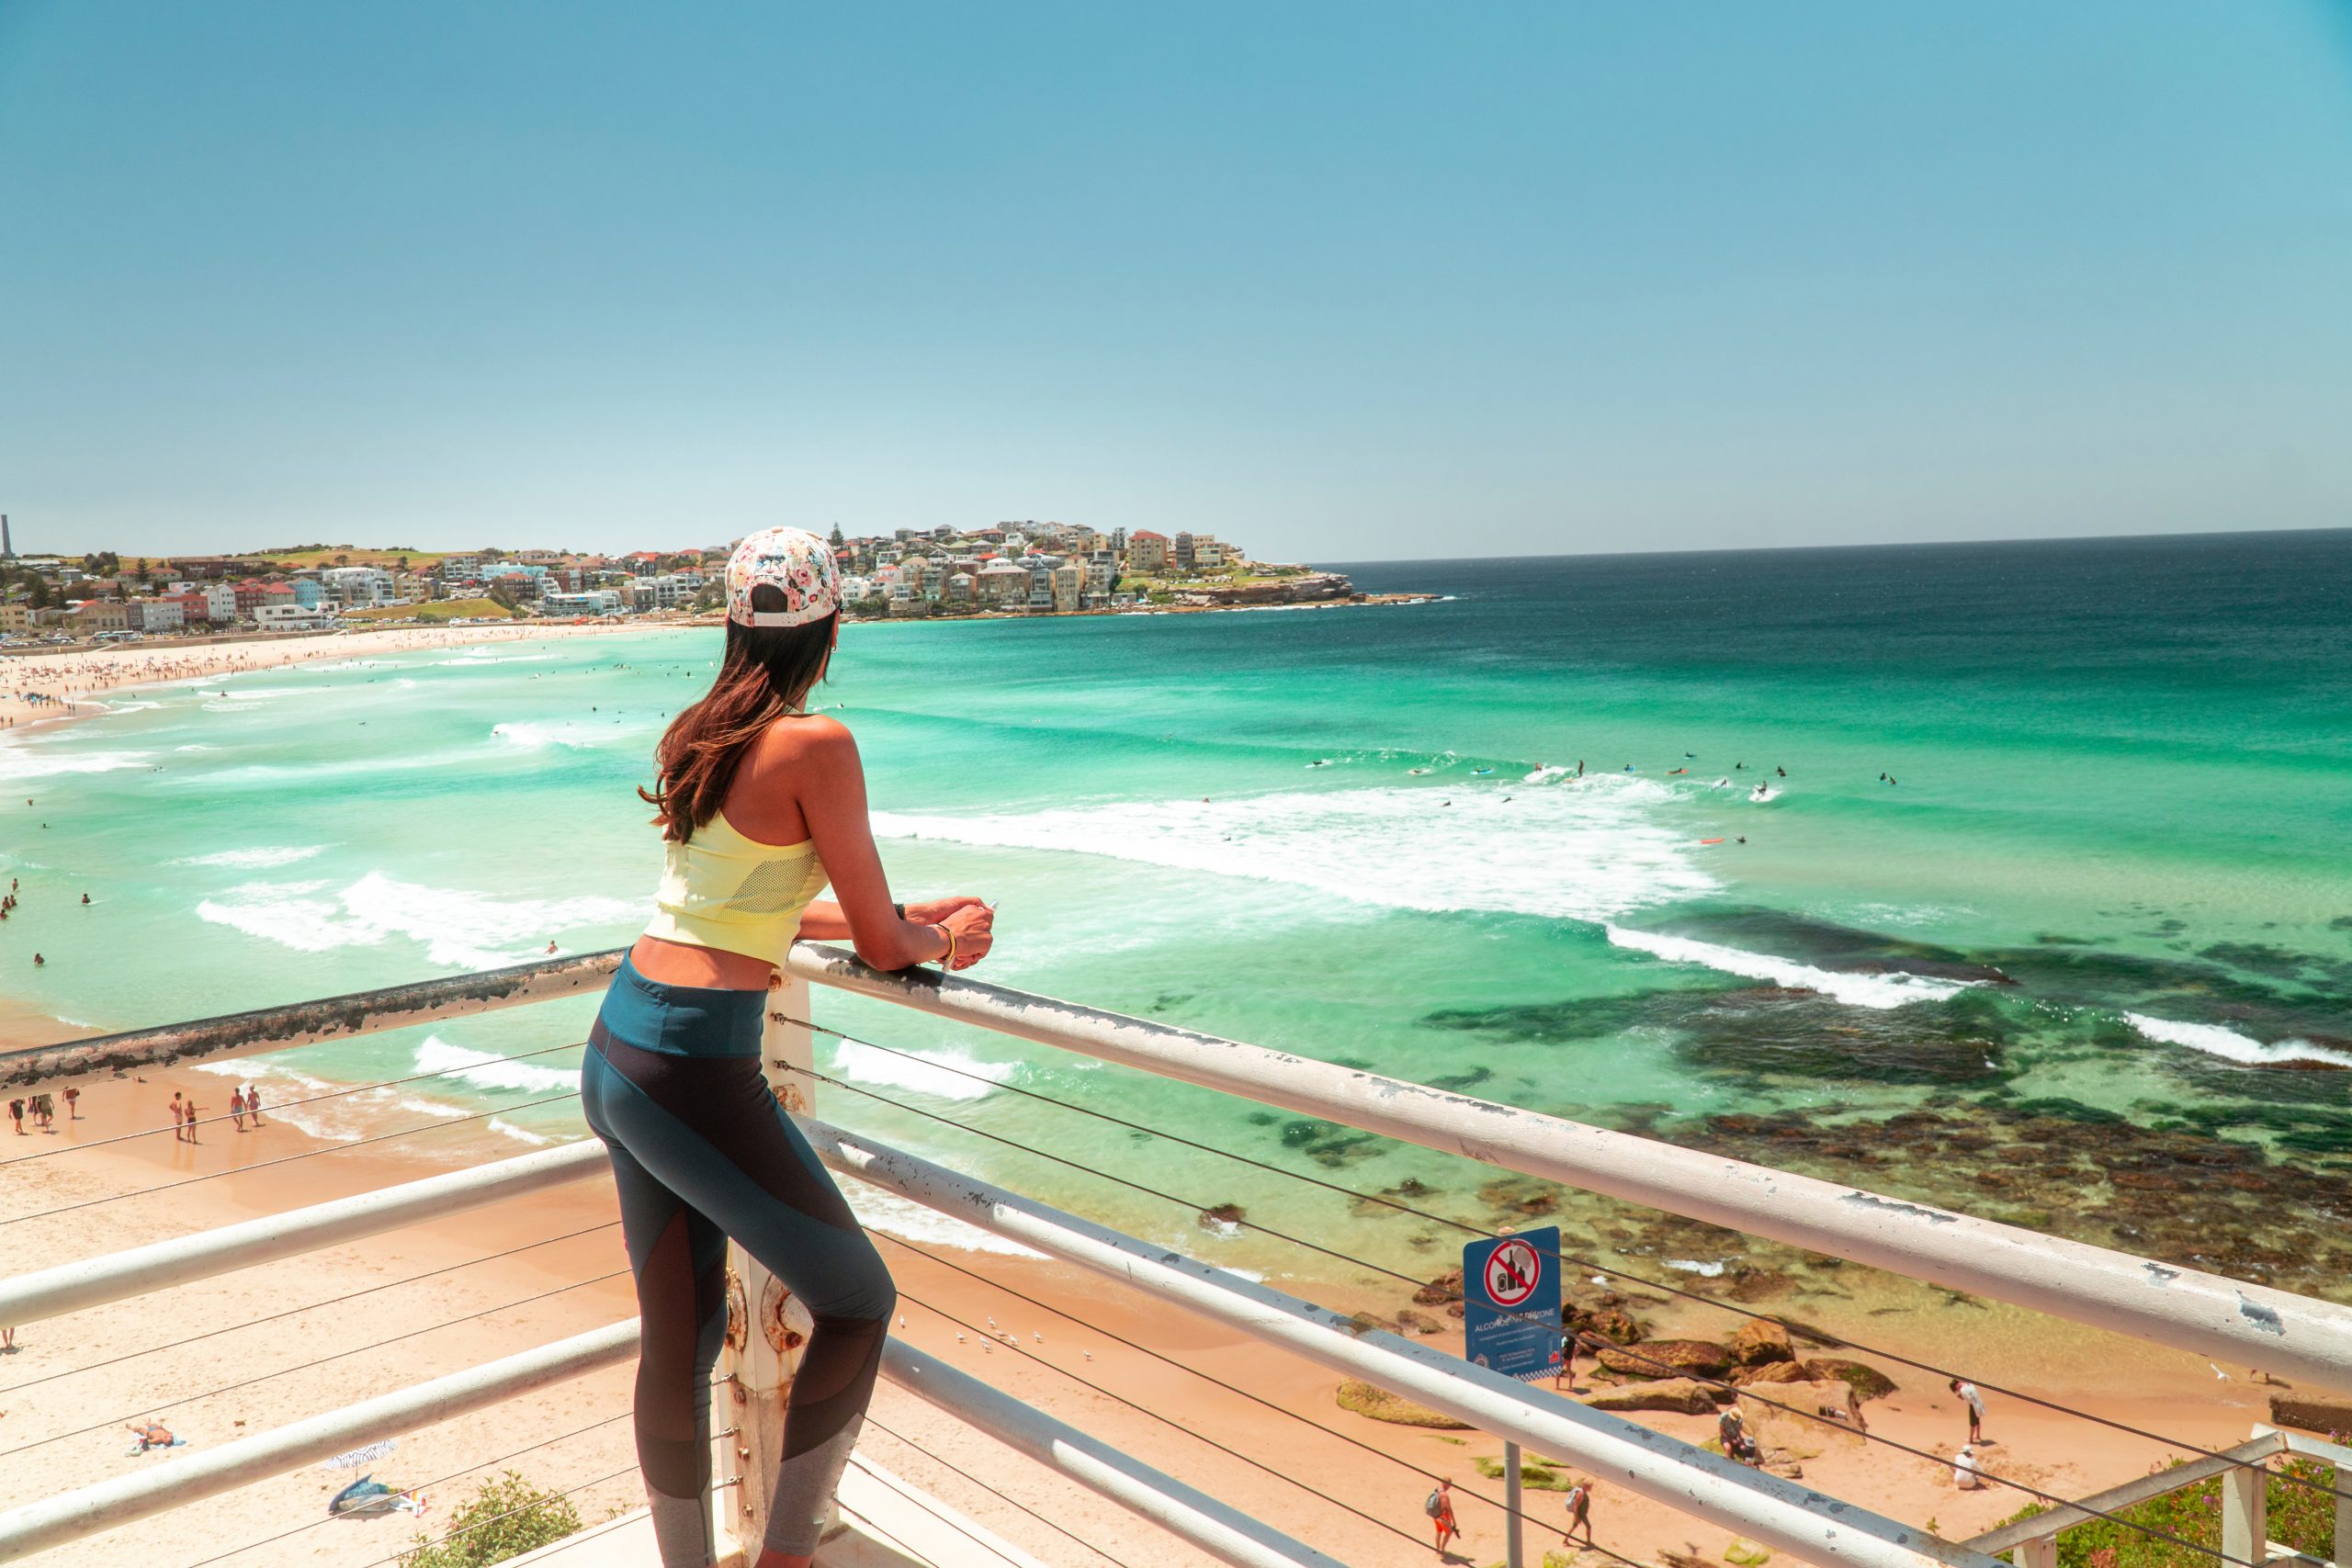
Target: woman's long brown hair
766	674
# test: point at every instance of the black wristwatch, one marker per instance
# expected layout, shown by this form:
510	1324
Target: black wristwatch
901	908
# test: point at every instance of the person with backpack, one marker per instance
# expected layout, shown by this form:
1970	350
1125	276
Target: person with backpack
1439	1507
1579	1502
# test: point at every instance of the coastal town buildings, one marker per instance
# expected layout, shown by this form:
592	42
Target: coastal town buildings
1013	566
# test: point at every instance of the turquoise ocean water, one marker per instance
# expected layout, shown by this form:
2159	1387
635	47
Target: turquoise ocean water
2084	961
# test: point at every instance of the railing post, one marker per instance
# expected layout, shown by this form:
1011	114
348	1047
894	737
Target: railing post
2041	1551
2246	1524
765	1327
1513	1548
2340	1478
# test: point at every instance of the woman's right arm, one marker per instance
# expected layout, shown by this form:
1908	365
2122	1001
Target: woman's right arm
829	781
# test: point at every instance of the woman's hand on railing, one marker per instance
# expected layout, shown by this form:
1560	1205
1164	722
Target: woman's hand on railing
972	925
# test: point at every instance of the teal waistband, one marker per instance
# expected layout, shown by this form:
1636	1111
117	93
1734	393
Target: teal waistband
680	1021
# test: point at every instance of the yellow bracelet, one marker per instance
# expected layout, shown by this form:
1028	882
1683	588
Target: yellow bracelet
947	961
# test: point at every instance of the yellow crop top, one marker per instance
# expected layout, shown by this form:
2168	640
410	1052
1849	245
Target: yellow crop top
722	890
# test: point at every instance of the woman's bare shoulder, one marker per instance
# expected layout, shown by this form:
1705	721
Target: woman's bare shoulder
810	739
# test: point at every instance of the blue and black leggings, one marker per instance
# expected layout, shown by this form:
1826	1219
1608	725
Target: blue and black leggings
702	1152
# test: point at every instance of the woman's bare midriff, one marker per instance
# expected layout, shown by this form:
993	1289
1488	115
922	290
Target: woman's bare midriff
681	964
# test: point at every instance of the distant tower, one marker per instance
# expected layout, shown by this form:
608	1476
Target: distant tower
7	548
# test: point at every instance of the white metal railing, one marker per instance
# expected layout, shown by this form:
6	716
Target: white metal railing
124	1499
2156	1301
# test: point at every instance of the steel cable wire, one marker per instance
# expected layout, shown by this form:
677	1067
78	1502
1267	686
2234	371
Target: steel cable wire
924	1503
1172	1422
1738	1390
421	1487
1565	1257
306	1366
1284	1410
287	1159
296	1311
291	1104
953	1468
508	1513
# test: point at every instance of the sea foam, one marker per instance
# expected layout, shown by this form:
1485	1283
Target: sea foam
255	859
1856	990
458	928
2229	1045
1589	851
941	1075
463	1066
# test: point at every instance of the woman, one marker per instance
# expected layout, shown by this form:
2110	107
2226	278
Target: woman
760	805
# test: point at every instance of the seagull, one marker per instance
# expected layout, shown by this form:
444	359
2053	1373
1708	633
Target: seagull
903	1322
1088	1354
959	1339
2219	1372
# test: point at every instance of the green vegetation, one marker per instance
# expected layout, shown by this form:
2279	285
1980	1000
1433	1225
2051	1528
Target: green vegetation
503	1520
1535	1474
2300	1517
392	557
440	610
1379	1405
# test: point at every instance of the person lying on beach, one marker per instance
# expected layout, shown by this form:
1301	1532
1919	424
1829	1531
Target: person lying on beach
370	1495
153	1435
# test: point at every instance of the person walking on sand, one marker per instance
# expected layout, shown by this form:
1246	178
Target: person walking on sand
17	1114
253	1104
1439	1507
237	1108
1975	1404
180	1119
1578	1503
759	803
73	1103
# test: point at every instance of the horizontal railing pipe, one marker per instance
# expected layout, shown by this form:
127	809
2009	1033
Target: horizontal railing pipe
1806	1524
118	1276
2207	1314
125	1499
2178	1477
308	1023
1225	1533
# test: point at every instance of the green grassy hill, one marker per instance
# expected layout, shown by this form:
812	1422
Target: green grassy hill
440	610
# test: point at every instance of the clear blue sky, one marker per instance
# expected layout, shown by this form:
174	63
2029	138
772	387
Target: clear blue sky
1337	281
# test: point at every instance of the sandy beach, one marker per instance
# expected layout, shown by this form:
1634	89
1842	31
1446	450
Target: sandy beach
47	688
250	1351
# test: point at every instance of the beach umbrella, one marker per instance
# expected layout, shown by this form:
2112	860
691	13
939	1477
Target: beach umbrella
357	1457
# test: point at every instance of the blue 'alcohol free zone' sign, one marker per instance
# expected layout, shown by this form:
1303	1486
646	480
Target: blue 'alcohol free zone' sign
1510	1303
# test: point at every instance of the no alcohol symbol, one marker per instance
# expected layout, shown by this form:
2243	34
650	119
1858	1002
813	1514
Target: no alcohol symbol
1513	1270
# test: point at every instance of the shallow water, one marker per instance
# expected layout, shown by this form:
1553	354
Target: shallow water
2101	908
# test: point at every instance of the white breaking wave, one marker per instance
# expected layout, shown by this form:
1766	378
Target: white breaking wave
924	1072
254	860
520	1134
2229	1045
483	656
462	929
534	736
23	761
481	1069
1587	849
1855	990
904	1217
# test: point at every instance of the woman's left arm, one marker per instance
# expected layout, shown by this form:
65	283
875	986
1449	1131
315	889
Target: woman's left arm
824	921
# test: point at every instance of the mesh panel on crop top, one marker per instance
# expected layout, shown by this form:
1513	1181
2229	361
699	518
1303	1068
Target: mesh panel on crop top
775	887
